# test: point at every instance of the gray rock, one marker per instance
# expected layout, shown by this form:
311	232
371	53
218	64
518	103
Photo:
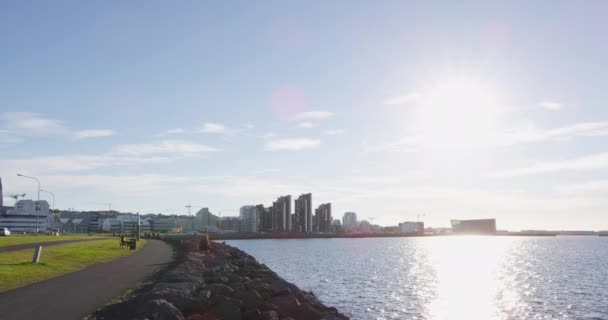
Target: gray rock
251	299
270	315
220	289
228	309
160	310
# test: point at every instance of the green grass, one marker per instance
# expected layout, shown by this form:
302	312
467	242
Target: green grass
15	239
17	269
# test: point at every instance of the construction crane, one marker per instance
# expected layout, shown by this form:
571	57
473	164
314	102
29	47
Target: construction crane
420	215
189	207
16	196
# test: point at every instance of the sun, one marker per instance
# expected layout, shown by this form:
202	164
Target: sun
457	113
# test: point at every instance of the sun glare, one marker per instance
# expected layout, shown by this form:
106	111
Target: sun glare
458	113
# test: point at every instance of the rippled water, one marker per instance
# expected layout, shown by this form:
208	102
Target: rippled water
466	277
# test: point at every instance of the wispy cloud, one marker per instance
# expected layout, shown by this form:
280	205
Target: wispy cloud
178	147
414	142
586	163
334	132
86	134
32	123
407	144
550	105
211	127
292	144
584	188
265	171
73	163
313	115
410	97
531	135
175	131
306	124
16	125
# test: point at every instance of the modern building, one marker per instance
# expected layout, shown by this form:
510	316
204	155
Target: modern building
303	213
336	225
265	218
229	224
206	219
164	224
126	223
28	216
478	226
409	227
322	219
249	219
349	220
281	214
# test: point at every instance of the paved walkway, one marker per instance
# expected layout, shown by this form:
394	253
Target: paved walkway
76	295
45	244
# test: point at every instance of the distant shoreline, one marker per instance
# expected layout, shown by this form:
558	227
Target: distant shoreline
260	236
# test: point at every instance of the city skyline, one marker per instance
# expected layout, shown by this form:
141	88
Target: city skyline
389	110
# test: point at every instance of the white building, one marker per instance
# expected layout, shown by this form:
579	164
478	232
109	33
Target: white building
125	224
349	220
411	227
26	215
249	219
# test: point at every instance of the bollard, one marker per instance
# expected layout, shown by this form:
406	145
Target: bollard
37	253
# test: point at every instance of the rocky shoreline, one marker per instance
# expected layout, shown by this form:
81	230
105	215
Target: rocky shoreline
218	282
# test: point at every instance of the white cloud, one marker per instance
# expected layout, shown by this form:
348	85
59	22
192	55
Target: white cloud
29	123
334	132
413	143
530	135
125	185
86	134
175	131
407	144
313	115
292	144
410	97
71	163
549	105
584	188
586	163
306	124
176	147
210	127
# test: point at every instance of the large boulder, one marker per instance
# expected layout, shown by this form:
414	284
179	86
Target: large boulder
270	315
228	309
160	310
220	289
251	299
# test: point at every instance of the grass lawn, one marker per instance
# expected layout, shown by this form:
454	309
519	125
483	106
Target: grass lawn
16	239
16	268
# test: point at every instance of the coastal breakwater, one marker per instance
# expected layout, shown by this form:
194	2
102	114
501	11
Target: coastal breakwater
217	281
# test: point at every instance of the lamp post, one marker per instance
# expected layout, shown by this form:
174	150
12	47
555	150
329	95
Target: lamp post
53	215
52	194
37	202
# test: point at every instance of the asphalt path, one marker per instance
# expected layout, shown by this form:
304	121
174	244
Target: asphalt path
76	295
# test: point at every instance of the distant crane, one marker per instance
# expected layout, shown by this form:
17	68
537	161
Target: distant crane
189	207
16	196
421	215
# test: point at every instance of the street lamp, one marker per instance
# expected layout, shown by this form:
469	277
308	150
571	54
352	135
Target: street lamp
37	202
52	194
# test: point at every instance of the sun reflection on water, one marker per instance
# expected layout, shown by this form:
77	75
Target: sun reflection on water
468	282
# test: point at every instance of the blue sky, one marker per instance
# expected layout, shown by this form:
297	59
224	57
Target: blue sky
390	109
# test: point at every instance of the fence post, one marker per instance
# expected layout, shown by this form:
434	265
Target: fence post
37	253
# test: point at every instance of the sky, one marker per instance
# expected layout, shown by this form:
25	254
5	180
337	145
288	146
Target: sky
397	110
